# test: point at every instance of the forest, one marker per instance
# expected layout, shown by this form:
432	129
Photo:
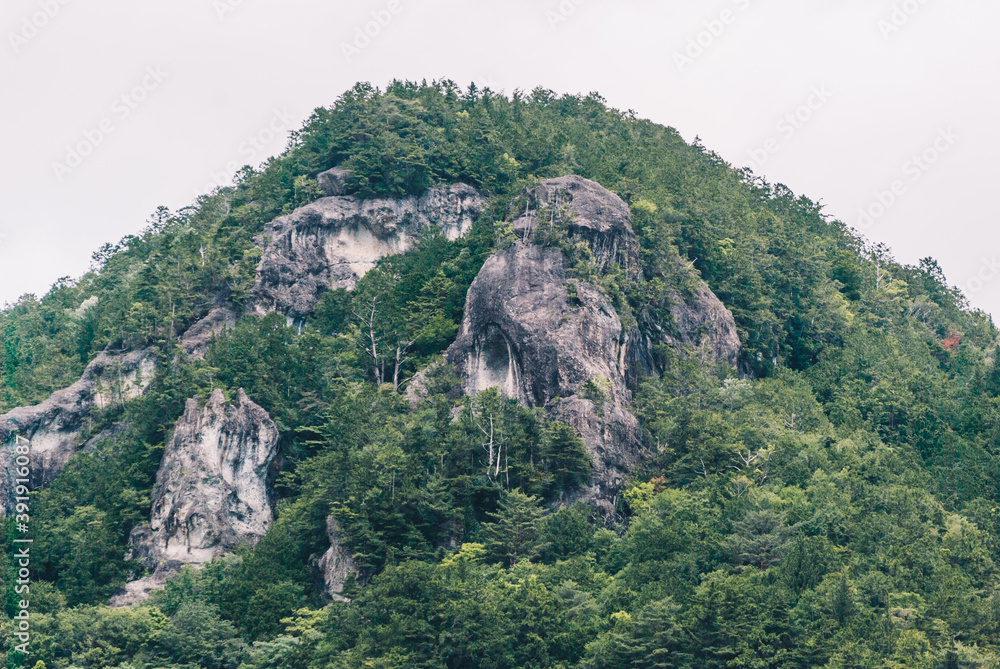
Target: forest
830	501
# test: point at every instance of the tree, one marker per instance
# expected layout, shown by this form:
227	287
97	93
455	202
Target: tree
515	533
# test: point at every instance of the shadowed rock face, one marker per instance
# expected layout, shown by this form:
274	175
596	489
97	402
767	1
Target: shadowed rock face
333	242
55	427
522	334
211	491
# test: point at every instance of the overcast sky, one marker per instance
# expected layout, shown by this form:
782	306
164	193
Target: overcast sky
114	107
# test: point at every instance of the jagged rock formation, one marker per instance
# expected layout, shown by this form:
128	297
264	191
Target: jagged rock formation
557	342
334	241
522	333
211	491
337	564
56	427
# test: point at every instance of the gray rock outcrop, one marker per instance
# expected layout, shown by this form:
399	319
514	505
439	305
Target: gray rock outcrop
524	334
556	342
337	564
597	217
196	339
211	491
333	182
334	241
56	427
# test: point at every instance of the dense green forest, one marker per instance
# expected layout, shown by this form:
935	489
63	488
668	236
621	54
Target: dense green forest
832	502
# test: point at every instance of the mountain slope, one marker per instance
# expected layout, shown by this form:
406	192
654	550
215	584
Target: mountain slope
809	474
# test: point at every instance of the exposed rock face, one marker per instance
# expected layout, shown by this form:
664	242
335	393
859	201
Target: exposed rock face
334	182
195	341
598	217
522	334
334	241
55	427
337	563
211	491
701	324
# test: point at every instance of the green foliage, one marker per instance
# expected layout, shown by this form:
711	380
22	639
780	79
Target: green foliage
832	502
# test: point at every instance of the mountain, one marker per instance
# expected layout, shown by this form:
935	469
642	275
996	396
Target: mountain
472	380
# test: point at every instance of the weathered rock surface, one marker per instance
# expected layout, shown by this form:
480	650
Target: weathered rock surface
195	341
55	427
334	241
337	564
702	326
521	333
525	333
211	491
334	181
597	216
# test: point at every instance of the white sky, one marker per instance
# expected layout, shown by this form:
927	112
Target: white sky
229	69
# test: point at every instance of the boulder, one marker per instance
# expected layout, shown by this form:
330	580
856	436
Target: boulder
334	182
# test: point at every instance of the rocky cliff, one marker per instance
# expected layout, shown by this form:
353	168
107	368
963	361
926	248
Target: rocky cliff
554	341
524	334
57	426
334	241
211	491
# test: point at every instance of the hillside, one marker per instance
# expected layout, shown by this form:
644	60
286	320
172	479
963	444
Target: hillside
469	380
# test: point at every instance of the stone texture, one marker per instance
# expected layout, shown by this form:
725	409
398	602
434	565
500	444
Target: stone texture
597	216
55	427
337	564
334	181
334	241
521	333
195	341
702	326
211	491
